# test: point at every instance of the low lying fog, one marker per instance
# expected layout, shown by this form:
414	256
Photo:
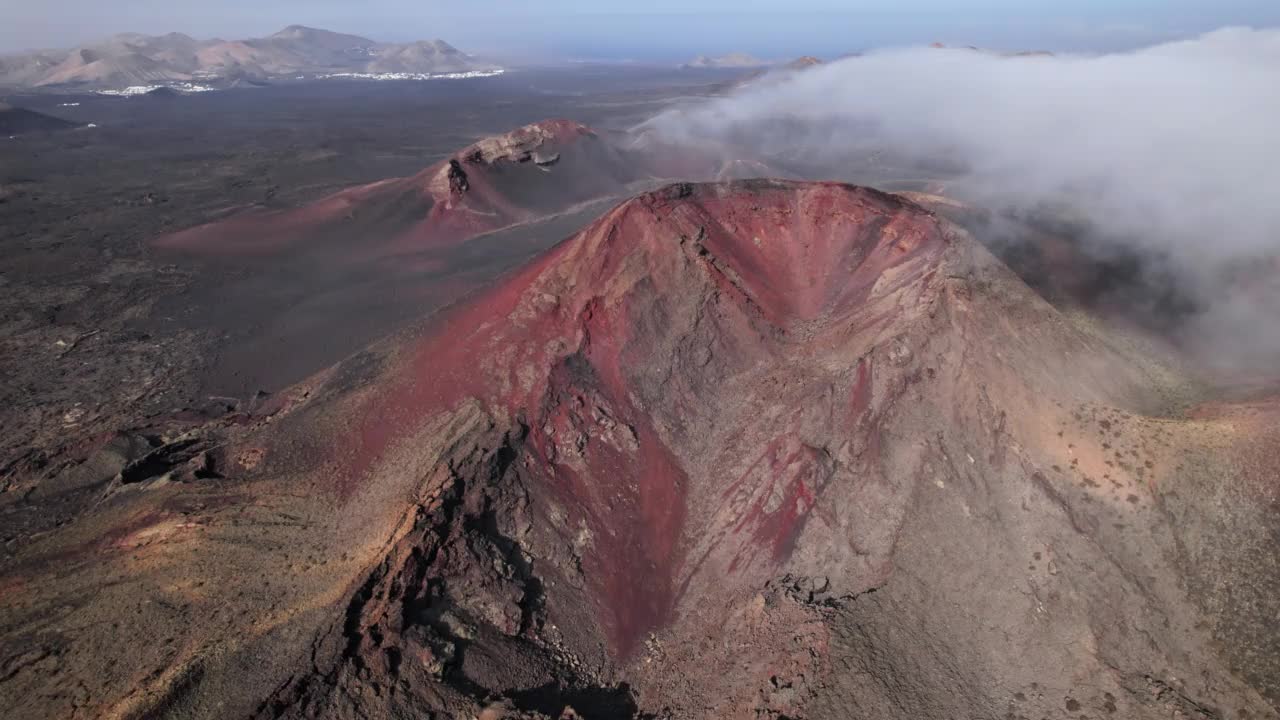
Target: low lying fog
1173	151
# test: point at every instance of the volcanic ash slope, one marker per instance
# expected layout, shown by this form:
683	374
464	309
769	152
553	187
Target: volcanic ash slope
756	449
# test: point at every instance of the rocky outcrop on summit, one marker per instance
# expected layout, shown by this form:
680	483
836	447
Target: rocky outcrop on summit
755	449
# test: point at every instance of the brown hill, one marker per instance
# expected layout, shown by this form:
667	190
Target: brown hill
757	449
436	54
803	62
405	246
771	74
134	59
732	60
91	67
498	182
27	70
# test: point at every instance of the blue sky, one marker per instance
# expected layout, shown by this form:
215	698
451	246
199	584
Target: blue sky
652	29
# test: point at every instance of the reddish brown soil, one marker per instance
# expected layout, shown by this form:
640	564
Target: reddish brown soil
769	287
526	174
748	450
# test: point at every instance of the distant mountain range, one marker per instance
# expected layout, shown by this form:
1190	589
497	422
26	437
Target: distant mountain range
732	60
132	59
1002	53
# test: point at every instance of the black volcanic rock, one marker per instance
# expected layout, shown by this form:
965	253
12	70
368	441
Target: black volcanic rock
16	121
163	93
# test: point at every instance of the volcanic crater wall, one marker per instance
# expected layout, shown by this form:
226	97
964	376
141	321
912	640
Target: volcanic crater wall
750	410
683	336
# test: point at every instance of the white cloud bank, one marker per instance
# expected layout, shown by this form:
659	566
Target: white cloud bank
1173	149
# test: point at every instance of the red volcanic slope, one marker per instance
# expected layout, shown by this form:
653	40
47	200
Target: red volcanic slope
757	449
572	342
497	182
